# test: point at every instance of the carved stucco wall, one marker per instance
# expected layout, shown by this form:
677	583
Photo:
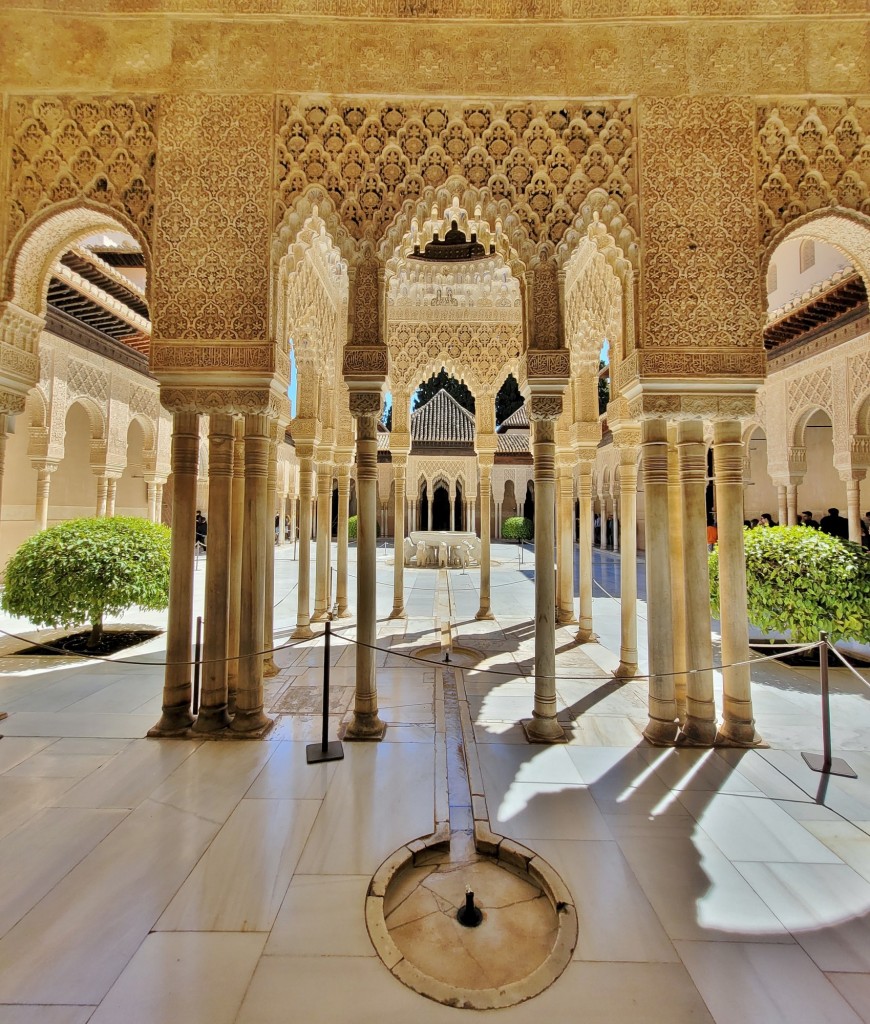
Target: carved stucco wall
701	304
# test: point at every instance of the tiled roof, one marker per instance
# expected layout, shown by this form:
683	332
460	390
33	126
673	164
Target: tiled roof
518	418
514	442
442	420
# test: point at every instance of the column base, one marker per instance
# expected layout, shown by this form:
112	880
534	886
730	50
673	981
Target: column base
302	633
320	615
661	733
270	669
739	734
398	613
696	732
173	722
211	720
626	670
364	726
250	725
585	635
566	619
343	612
484	613
543	730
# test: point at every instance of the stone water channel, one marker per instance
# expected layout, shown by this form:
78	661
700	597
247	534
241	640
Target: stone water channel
528	929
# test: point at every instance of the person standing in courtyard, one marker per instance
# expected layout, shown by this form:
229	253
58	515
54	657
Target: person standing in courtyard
834	524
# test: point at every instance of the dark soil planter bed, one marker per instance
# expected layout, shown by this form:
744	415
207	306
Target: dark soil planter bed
110	642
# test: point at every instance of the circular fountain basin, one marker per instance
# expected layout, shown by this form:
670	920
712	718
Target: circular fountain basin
460	657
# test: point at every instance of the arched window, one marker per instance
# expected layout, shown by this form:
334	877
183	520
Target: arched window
807	254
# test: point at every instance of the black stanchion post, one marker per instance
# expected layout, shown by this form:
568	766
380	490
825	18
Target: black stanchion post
325	751
825	763
197	655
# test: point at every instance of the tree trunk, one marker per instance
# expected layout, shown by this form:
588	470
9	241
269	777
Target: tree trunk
96	633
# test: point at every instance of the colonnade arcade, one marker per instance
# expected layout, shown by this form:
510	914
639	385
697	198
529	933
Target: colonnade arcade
262	256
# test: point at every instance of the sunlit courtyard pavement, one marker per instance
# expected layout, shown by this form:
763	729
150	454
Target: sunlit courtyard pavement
150	881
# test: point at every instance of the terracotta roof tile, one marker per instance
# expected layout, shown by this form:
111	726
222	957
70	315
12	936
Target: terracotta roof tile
442	420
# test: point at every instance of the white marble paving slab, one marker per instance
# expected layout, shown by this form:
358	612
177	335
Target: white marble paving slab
617	921
855	989
754	983
322	915
748	828
36	856
825	906
288	776
16	749
68	723
49	764
697	892
357	828
239	884
45	1014
20	799
76	941
131	775
187	977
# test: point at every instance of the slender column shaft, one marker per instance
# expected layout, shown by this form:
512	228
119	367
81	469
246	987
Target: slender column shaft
237	529
678	573
176	717
151	492
343	502
496	526
662	726
3	421
738	726
281	513
584	496
791	501
43	490
102	494
485	610
293	503
269	666
699	727
615	529
111	492
366	724
853	508
249	718
565	539
303	607
781	505
159	504
213	715
628	564
543	725
400	465
323	566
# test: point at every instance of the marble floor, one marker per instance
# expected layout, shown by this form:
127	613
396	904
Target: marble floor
156	882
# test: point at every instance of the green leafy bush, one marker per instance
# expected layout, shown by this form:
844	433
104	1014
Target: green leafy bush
85	569
800	581
517	528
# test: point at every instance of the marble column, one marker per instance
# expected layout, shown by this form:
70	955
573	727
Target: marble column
269	667
661	728
616	527
678	573
343	504
151	494
496	526
365	407
400	466
111	493
102	494
781	505
43	489
584	545
303	607
250	719
237	529
485	463
213	715
565	541
543	726
281	511
738	726
699	727
628	564
791	504
853	506
293	504
176	717
159	502
4	417
323	563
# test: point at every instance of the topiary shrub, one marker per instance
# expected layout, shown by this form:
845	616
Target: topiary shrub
85	569
800	581
517	528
